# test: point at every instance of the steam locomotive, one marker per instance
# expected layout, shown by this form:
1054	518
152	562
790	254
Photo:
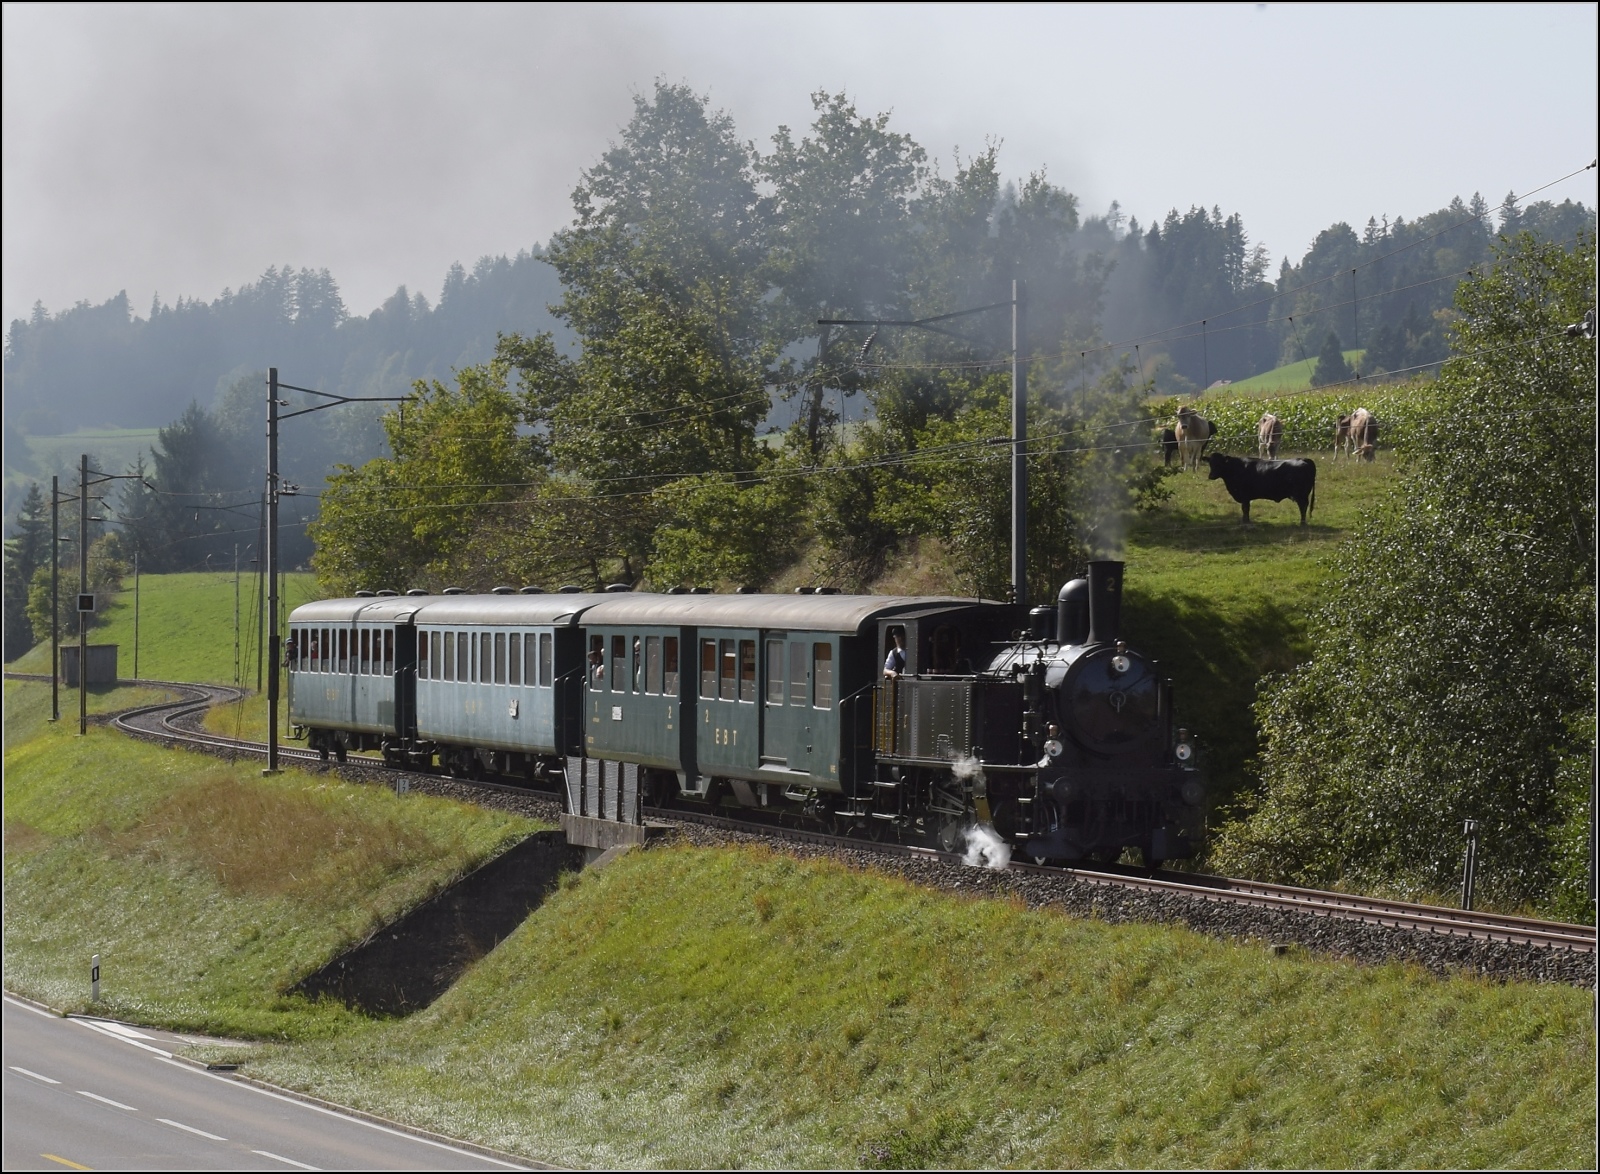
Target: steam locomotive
1047	728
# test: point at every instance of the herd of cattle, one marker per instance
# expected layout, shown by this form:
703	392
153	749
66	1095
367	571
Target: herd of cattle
1263	476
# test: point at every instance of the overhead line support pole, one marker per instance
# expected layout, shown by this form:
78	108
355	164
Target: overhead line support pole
55	598
83	589
1019	444
270	652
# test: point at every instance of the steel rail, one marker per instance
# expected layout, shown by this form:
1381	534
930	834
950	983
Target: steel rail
1288	898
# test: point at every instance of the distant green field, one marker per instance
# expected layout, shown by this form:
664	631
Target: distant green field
1294	377
111	450
186	627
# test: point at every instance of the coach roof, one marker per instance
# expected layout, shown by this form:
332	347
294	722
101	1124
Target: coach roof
811	613
382	609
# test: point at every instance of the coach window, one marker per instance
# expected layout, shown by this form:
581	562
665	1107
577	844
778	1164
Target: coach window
485	657
344	650
708	669
747	670
728	672
619	664
546	660
499	658
799	690
669	666
423	659
388	652
514	659
530	660
822	675
638	665
463	657
447	663
652	664
366	653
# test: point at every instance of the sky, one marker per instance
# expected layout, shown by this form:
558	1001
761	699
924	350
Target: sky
180	150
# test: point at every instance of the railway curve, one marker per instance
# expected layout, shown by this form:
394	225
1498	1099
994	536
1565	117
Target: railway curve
1369	929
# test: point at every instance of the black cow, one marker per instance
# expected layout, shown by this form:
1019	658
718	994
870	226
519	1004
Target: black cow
1248	478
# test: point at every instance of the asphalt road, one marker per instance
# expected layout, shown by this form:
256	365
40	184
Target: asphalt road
80	1094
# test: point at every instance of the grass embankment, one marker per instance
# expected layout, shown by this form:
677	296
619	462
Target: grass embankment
691	1008
206	889
186	627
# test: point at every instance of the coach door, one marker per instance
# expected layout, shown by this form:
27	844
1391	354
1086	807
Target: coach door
781	722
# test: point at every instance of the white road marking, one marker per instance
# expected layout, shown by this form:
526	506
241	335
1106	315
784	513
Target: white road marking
94	1096
30	1007
284	1160
121	1029
35	1075
117	1035
345	1116
189	1128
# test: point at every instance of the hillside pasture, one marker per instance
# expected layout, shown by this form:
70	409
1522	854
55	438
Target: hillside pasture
1290	377
186	627
1221	603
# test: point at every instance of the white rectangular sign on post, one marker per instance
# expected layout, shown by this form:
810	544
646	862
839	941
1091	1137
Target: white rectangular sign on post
94	979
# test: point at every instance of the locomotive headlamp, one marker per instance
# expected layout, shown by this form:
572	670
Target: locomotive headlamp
1183	752
1053	748
1193	793
1120	664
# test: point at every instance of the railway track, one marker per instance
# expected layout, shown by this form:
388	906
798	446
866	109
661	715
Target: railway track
164	722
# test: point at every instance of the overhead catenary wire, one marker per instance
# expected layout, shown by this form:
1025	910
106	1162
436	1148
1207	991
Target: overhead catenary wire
955	453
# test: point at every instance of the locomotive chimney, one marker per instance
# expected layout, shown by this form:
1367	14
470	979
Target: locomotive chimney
1105	600
1072	613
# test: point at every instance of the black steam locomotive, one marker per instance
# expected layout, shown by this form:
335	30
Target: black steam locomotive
909	717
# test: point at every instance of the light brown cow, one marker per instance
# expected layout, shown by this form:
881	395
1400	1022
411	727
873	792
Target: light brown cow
1194	432
1366	440
1361	423
1269	434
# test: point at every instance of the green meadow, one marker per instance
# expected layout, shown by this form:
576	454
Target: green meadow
189	627
206	889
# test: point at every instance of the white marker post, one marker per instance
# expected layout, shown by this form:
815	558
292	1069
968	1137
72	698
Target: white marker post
94	979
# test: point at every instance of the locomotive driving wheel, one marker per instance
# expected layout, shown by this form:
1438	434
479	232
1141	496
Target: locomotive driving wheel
951	836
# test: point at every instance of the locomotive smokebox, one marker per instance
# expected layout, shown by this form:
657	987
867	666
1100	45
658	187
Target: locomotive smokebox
1105	600
1072	613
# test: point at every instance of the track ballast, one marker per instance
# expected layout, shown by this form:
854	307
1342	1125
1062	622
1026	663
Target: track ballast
1366	928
